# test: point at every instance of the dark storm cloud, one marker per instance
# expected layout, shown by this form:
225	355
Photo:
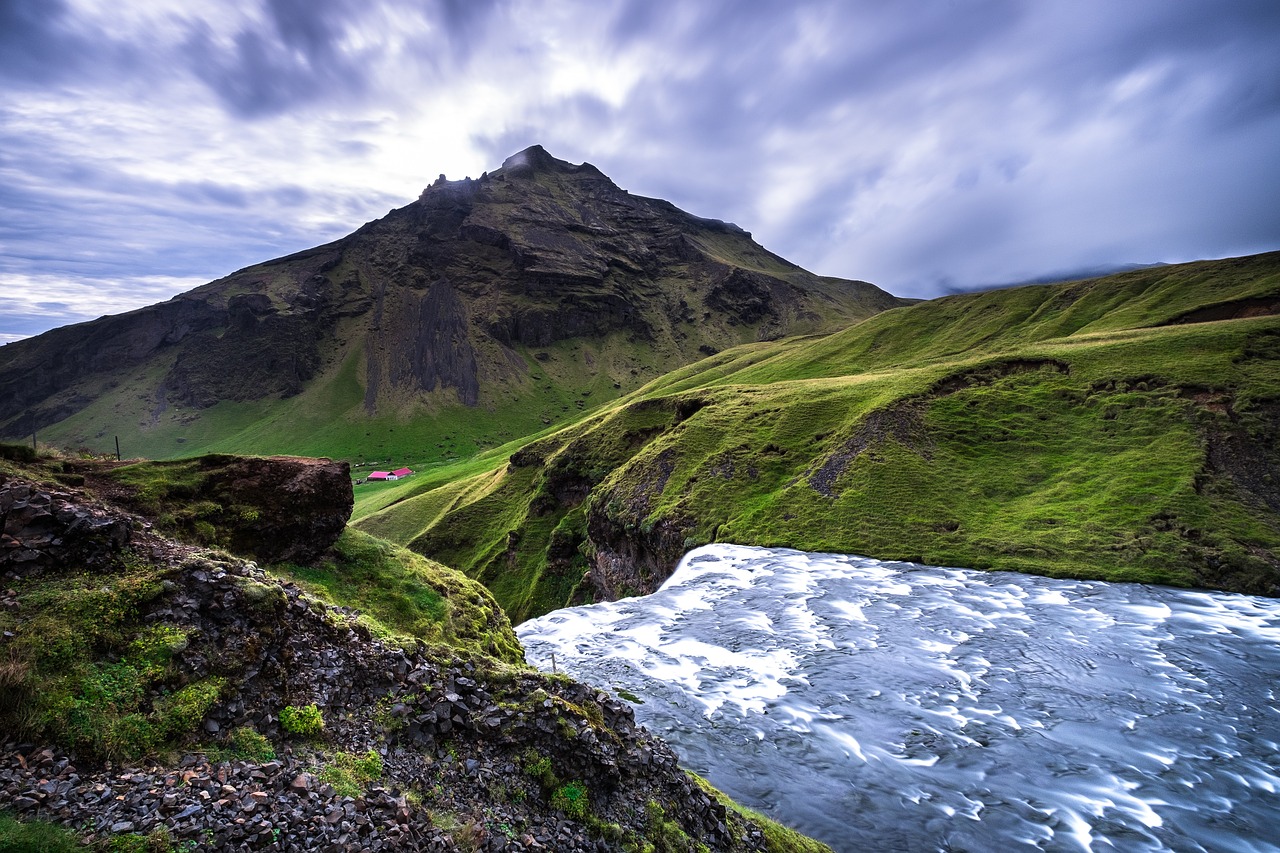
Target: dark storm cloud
34	43
463	20
295	58
920	144
302	54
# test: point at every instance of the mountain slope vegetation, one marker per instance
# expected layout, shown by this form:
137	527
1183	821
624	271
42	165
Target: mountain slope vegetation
478	314
1122	428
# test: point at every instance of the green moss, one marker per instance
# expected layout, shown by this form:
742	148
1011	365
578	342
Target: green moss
263	597
572	800
304	721
350	774
18	452
82	672
539	767
777	838
156	841
383	716
665	835
246	743
184	709
35	837
403	595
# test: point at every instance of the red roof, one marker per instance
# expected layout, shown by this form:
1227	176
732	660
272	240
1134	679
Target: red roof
379	475
401	472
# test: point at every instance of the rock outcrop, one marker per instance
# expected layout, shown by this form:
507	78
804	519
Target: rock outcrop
45	528
297	506
273	509
458	750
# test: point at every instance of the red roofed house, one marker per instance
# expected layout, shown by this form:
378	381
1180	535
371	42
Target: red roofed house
400	472
381	475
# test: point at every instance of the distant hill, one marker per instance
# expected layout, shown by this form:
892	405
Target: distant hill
1078	274
485	310
1126	428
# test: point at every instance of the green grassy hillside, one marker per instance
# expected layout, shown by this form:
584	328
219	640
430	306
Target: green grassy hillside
1121	428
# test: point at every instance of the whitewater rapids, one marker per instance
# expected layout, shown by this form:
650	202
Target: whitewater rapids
892	706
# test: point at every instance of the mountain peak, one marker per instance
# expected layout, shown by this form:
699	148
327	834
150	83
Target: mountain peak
534	159
537	160
489	294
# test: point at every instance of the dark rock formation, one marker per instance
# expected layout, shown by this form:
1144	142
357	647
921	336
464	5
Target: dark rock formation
300	506
43	529
471	753
278	508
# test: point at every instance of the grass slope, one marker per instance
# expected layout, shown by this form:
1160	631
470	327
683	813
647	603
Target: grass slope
1111	428
330	419
81	669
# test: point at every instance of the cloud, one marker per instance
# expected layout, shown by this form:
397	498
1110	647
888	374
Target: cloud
296	53
29	304
918	144
34	44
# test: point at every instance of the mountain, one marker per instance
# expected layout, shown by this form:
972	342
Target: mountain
1125	428
483	311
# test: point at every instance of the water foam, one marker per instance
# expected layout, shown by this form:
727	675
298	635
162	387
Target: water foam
891	706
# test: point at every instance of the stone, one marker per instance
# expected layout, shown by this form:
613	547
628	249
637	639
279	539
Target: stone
189	811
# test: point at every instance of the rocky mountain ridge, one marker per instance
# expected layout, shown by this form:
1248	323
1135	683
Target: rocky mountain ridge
475	297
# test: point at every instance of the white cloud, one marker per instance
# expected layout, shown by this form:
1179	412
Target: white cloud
67	300
914	144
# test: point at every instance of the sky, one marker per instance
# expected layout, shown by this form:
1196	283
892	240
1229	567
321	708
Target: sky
928	146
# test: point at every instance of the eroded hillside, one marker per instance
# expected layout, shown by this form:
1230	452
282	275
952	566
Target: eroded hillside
160	694
1123	428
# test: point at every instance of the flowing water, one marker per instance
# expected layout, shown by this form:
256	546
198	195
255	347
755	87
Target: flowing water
891	706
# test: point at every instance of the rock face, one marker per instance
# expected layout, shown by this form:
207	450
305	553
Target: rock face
466	753
298	506
45	528
443	302
278	508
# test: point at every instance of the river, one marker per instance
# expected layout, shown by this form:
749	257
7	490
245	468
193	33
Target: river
897	707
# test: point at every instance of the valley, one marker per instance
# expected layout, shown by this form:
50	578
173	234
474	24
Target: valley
1083	430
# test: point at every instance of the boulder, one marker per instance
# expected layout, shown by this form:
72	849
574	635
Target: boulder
290	508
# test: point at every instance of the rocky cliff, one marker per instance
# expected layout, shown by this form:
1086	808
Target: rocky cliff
159	693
